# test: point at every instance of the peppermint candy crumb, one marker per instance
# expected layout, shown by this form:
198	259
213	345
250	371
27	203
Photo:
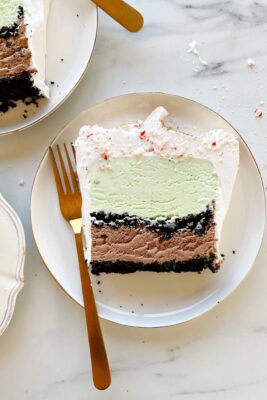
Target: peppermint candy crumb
258	113
142	134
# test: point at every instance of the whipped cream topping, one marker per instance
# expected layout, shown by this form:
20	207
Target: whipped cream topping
150	138
35	16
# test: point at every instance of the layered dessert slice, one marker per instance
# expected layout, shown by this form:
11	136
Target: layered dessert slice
22	51
154	198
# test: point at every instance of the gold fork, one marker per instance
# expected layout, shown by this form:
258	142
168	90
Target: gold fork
70	202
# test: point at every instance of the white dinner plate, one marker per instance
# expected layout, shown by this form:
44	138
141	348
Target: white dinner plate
148	299
12	257
71	33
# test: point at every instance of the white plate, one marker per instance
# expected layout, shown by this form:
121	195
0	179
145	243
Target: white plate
71	38
12	256
156	299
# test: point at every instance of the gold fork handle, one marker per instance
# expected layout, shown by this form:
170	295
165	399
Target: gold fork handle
123	13
99	360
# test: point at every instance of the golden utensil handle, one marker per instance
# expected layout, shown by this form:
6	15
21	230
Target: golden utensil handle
100	367
123	13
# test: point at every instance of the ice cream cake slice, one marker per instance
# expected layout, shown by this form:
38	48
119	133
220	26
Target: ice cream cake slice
22	51
154	198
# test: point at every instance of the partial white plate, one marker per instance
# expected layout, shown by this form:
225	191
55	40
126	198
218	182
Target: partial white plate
148	299
71	34
12	257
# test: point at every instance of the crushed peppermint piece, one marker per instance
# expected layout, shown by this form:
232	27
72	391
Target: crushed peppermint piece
214	144
142	134
258	113
105	156
251	63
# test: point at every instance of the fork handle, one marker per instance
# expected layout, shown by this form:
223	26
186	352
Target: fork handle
123	13
99	360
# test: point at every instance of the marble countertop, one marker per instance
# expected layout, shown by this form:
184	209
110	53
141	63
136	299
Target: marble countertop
223	354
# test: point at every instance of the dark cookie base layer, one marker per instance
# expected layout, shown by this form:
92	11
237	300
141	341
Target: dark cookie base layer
125	267
19	87
196	223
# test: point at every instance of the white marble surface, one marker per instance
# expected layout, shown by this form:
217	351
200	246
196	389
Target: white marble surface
221	355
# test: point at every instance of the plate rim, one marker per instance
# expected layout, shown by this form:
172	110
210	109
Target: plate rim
19	273
65	126
31	124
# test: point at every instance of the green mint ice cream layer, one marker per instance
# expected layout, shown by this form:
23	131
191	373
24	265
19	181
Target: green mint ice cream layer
9	12
153	187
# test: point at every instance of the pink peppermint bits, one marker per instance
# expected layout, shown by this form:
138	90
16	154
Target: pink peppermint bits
214	144
258	113
105	156
142	134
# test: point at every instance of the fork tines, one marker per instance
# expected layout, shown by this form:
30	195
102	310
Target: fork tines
66	167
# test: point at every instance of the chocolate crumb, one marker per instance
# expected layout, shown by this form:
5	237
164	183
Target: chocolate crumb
100	291
24	116
233	251
20	12
62	59
98	282
120	306
77	15
52	82
12	104
132	312
141	304
218	302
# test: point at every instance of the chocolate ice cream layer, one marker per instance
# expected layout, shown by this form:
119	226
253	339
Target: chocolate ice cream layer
141	245
15	56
